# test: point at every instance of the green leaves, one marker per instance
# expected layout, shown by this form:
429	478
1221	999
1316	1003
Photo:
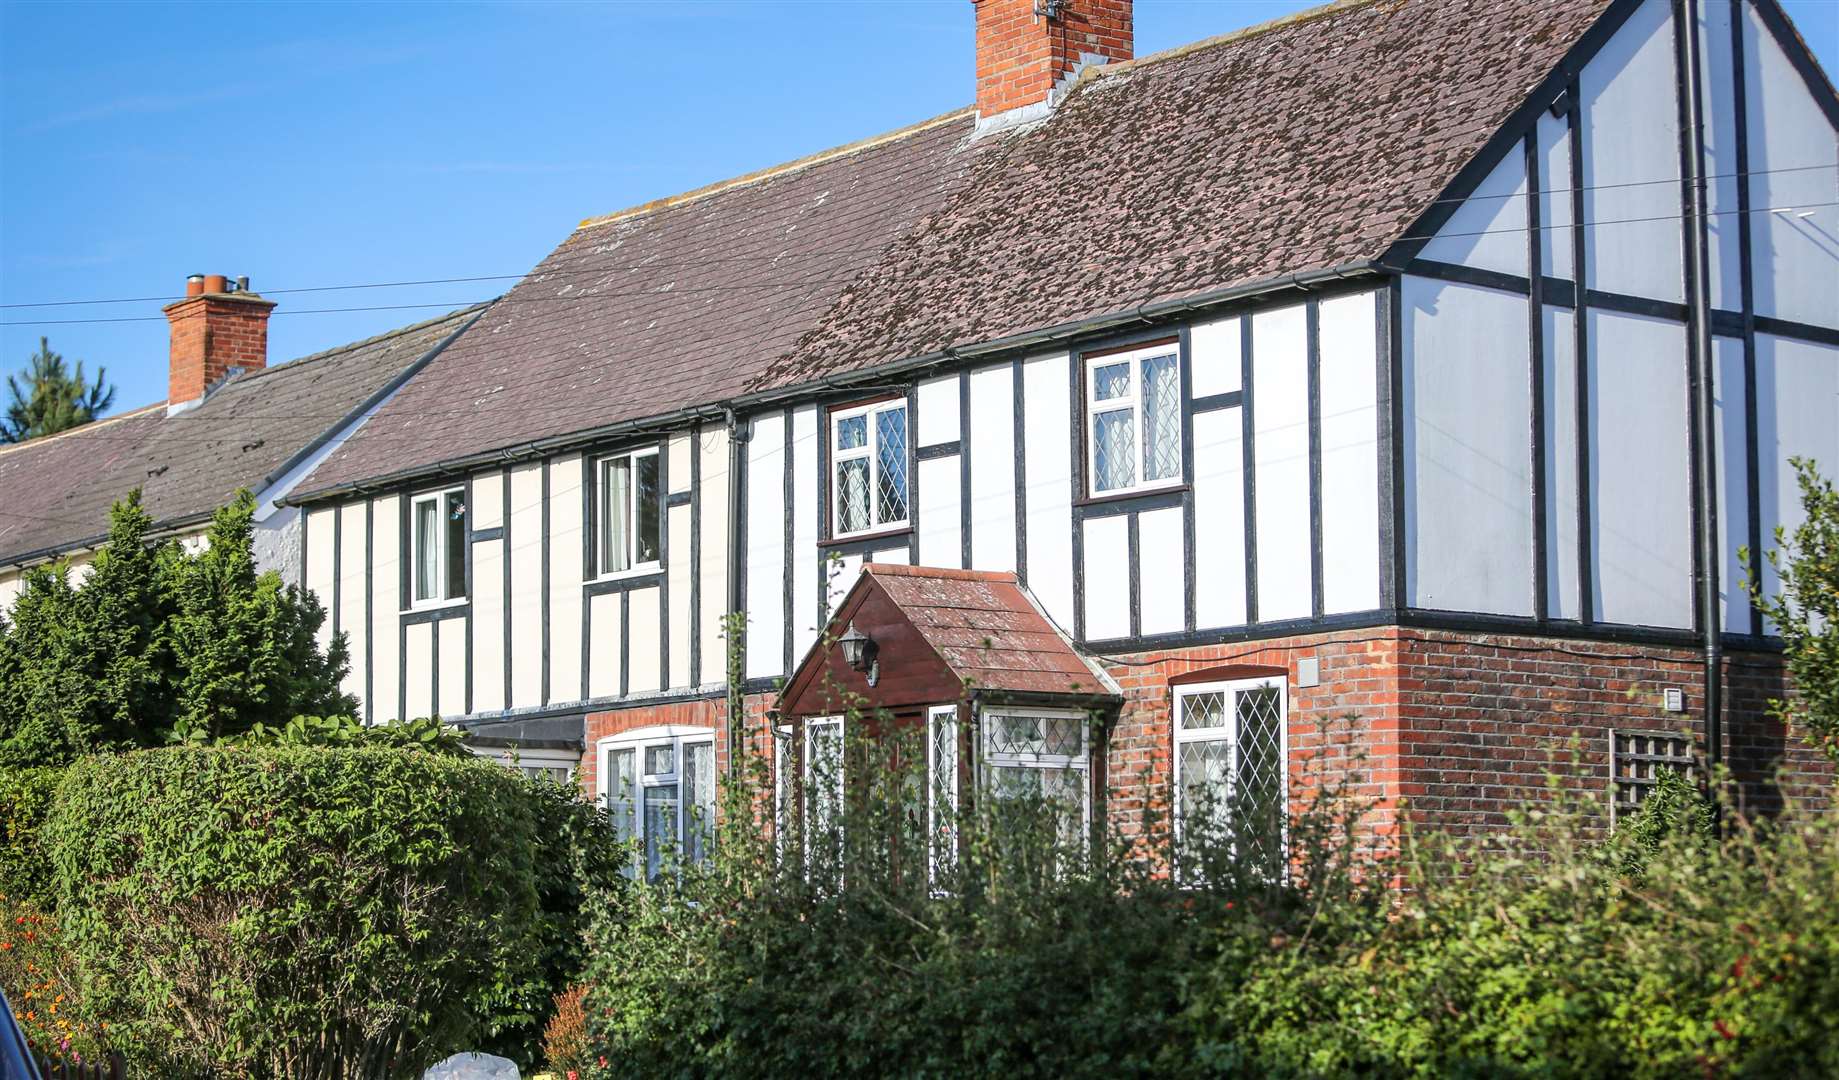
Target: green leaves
1806	612
155	643
297	911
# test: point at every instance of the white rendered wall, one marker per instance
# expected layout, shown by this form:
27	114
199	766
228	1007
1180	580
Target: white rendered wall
1280	450
1047	404
1348	340
992	431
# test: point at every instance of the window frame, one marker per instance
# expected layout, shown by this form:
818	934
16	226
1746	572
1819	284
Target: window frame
442	566
988	759
942	822
871	451
1134	357
602	504
679	737
808	777
1228	733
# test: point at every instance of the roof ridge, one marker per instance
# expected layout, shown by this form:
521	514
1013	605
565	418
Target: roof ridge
46	440
1282	22
771	171
325	354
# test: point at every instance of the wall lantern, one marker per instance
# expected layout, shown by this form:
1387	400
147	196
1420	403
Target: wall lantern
860	653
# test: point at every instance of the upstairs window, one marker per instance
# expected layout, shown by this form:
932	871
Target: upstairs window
438	551
1133	420
628	531
868	468
1230	773
658	786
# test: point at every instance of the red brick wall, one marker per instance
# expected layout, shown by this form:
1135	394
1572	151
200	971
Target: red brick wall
210	335
1455	729
1020	56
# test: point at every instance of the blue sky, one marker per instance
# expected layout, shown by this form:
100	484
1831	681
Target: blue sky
331	144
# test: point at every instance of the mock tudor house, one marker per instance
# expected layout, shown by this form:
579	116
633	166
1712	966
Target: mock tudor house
229	421
1416	366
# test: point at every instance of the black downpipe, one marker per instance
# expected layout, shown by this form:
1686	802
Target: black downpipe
1700	300
737	641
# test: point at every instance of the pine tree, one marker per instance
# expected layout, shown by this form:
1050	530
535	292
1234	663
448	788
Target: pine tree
54	398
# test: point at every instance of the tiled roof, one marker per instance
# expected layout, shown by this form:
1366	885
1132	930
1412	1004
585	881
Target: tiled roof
988	630
674	304
55	492
1310	145
1306	144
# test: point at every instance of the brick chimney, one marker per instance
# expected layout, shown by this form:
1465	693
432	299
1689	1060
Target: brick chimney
1028	50
219	327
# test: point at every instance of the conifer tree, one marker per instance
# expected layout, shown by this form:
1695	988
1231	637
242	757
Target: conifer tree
53	398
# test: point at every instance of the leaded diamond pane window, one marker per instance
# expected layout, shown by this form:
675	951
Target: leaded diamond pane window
1041	758
1133	409
869	471
1230	774
658	785
942	788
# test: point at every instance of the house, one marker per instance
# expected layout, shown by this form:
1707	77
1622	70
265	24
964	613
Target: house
1367	387
230	421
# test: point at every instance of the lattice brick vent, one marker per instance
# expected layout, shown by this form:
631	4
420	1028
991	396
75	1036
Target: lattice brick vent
1636	760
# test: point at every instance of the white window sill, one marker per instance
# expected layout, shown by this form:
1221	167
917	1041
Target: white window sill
433	605
647	570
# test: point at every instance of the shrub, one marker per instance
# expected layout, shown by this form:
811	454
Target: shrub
565	1038
1549	950
295	911
25	799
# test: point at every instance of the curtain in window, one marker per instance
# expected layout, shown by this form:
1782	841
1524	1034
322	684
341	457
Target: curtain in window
1114	455
427	548
852	495
615	510
456	544
891	456
698	800
646	543
1161	419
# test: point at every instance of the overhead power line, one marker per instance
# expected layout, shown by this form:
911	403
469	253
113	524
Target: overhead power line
657	264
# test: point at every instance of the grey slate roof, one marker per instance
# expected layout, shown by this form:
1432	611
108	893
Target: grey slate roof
55	492
1304	144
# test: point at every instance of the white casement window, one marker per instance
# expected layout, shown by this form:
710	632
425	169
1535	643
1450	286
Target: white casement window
437	548
868	468
941	789
554	765
1133	420
1231	775
627	502
1041	756
658	785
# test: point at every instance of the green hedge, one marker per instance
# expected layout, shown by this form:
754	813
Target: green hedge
25	799
296	911
1545	951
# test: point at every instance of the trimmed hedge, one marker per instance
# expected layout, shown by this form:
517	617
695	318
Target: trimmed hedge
293	911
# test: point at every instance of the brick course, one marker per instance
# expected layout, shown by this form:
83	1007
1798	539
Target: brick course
1022	56
1454	729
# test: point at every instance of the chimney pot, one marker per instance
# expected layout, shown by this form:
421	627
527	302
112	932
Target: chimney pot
242	283
214	330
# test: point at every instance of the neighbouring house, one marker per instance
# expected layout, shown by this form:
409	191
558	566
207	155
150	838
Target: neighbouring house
229	421
1365	385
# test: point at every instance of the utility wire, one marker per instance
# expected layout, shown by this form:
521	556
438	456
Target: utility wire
830	252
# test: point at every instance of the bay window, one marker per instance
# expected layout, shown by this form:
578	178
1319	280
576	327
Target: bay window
868	468
437	550
1041	758
628	532
1133	420
1230	773
658	786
